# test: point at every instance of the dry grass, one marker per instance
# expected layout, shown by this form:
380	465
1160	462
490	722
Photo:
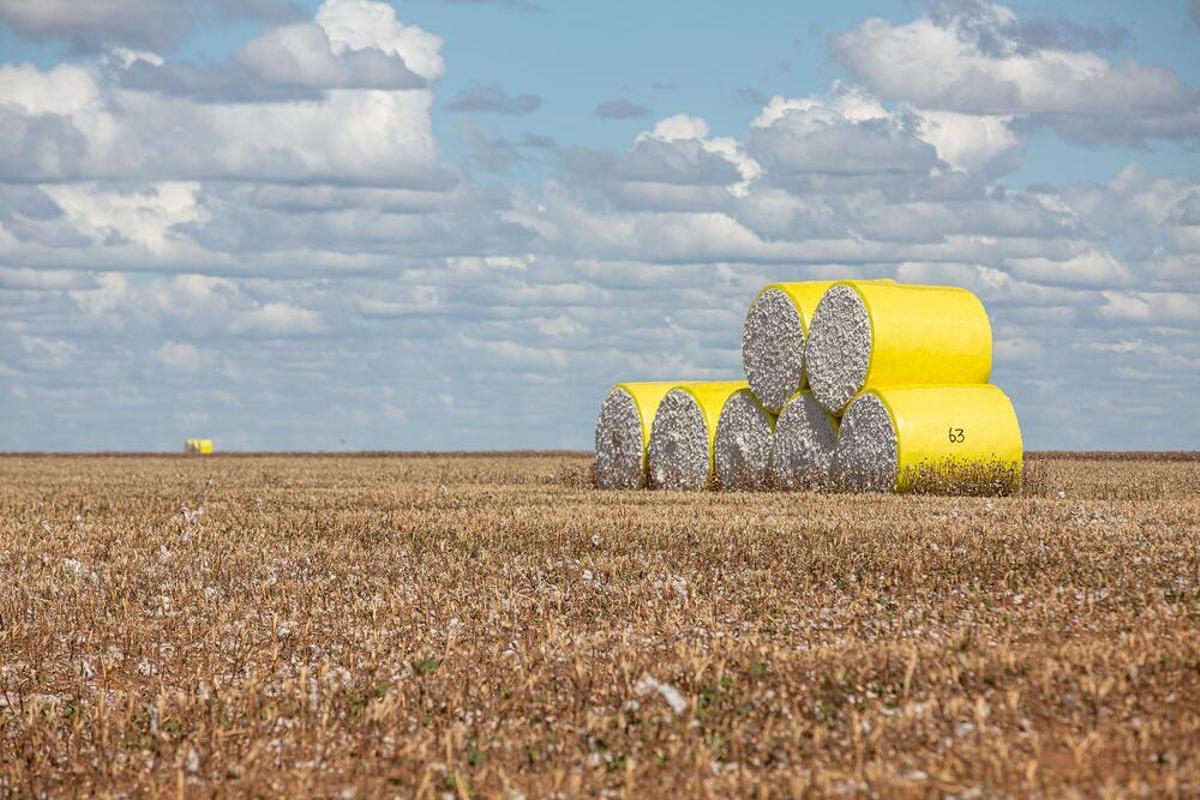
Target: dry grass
482	626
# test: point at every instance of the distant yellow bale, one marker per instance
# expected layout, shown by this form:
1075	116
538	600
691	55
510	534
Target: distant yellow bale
951	439
867	335
198	446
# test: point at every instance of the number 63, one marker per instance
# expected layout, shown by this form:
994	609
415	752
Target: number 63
957	435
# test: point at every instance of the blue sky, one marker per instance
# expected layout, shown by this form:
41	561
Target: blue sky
451	225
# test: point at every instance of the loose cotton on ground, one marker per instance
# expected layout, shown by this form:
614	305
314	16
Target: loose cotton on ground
623	433
867	334
684	432
945	439
805	441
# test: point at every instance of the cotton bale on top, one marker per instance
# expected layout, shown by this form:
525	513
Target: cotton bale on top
773	338
869	334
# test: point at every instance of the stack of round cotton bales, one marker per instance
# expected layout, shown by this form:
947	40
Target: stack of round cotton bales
688	435
862	385
905	369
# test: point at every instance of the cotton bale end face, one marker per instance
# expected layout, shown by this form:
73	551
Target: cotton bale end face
804	444
931	439
875	334
742	448
623	433
684	432
773	338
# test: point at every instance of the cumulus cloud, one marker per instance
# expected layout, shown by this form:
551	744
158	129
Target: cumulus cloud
369	121
980	58
1094	268
146	23
964	141
1161	308
303	54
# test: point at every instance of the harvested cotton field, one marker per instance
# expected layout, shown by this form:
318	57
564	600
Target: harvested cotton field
493	626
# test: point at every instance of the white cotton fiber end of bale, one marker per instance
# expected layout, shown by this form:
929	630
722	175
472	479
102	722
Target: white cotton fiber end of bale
868	452
838	352
773	348
619	447
679	449
804	446
742	448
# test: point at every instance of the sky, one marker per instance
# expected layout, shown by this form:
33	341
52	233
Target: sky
453	224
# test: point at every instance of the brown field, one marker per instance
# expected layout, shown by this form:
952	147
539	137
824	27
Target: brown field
490	626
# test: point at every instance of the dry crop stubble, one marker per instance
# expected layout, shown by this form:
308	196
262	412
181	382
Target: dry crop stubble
416	626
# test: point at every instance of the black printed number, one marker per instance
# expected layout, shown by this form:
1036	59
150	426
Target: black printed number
957	436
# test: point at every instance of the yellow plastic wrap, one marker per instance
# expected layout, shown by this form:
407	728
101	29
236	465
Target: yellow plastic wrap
198	446
804	296
710	396
954	434
925	334
646	397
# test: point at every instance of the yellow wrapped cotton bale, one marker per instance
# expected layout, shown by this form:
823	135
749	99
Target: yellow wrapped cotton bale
198	446
805	441
945	439
684	433
773	339
742	447
623	433
867	335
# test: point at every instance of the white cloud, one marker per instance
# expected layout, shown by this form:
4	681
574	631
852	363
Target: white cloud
967	141
1155	308
685	128
843	103
360	25
48	353
349	44
145	22
280	319
182	356
845	134
368	124
943	64
1094	268
975	58
303	55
